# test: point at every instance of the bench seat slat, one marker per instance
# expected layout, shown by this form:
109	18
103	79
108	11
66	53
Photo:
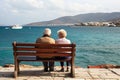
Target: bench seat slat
44	50
43	54
26	58
44	45
33	58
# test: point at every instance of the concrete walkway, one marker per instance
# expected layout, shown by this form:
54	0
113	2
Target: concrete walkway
36	73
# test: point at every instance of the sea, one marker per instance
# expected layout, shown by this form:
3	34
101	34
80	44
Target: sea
94	45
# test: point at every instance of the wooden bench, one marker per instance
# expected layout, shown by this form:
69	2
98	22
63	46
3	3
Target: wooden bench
30	51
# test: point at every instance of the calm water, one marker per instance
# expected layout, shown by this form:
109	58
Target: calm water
95	45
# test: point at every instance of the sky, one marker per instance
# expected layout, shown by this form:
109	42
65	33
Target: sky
28	11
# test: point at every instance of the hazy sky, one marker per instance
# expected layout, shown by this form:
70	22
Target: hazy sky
27	11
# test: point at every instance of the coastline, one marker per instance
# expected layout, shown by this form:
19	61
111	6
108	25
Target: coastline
89	66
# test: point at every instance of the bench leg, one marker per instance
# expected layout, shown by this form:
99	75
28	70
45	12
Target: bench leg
15	74
72	70
16	69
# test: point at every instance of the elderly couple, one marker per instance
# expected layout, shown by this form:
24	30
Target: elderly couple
46	39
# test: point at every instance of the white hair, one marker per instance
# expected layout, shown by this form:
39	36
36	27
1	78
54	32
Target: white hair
62	32
47	31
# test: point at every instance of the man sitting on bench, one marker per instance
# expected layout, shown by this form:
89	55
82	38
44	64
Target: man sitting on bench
46	39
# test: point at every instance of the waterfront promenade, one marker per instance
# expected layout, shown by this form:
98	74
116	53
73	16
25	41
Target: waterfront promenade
37	73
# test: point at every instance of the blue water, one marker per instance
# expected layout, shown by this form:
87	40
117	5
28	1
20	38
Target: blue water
95	45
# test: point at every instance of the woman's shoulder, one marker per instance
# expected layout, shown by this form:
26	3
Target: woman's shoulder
63	40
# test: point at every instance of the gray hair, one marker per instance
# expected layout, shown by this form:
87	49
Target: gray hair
47	31
62	32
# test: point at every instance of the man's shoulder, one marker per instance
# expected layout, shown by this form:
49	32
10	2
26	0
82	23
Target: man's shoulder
53	40
44	38
48	38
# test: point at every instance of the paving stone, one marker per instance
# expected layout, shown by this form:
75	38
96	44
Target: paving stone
37	73
112	79
73	79
117	71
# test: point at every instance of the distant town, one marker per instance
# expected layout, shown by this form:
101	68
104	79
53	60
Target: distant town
109	24
102	24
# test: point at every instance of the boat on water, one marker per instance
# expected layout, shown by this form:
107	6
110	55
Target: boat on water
16	27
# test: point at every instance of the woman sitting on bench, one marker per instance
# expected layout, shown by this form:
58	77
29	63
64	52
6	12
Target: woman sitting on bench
63	40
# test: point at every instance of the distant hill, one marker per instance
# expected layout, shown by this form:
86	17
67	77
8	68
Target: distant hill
115	20
80	18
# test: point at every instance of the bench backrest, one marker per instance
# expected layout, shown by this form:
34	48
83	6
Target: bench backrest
48	50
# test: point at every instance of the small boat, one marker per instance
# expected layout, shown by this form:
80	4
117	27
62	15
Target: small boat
16	27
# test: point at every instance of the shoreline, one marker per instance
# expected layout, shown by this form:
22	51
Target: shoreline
89	66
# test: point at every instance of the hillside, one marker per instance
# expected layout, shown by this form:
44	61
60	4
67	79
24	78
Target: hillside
89	17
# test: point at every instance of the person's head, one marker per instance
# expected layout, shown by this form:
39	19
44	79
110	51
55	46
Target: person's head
47	32
62	33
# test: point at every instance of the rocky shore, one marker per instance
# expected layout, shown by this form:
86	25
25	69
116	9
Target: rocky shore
89	66
28	72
